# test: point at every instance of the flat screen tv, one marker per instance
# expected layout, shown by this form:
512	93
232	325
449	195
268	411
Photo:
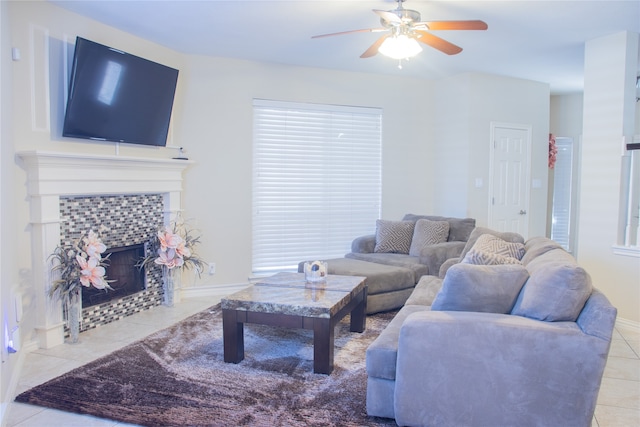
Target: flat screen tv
115	96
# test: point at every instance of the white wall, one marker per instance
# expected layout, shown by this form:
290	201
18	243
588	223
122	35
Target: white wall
217	132
10	235
465	107
609	109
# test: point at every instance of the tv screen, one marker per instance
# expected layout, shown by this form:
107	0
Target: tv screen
115	96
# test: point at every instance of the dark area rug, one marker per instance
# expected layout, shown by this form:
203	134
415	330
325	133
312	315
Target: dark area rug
177	377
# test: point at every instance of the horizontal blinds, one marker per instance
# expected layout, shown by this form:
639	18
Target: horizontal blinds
316	181
562	184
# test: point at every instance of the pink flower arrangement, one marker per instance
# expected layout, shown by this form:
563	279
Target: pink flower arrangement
172	247
553	151
82	264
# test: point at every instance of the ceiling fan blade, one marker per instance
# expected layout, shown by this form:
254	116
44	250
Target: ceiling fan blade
455	25
437	43
388	16
365	30
373	49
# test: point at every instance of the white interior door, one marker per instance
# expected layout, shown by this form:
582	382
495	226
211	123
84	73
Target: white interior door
509	174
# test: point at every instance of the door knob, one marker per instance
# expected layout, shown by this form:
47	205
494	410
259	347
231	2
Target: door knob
523	212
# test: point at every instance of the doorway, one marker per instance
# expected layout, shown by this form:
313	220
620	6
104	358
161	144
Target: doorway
563	196
509	177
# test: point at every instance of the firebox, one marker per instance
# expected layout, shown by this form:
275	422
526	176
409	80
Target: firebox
122	274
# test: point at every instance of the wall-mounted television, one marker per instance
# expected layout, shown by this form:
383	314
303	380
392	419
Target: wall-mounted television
116	96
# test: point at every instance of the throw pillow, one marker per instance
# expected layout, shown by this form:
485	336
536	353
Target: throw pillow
480	288
507	236
393	236
459	228
427	233
498	246
479	257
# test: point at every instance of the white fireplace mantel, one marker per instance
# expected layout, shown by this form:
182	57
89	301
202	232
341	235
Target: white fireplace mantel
51	175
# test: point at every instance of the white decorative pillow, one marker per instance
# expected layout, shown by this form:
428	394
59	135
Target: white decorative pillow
498	246
393	236
478	257
427	233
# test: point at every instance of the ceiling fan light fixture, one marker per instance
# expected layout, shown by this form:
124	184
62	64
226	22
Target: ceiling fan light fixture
400	47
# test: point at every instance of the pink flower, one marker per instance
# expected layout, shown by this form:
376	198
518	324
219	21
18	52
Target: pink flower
168	239
169	258
91	272
183	251
93	245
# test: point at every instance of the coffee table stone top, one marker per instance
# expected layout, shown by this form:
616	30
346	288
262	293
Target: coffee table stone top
281	293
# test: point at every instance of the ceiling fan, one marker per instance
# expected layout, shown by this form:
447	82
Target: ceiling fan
404	29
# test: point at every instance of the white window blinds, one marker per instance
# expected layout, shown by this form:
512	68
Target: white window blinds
561	226
316	181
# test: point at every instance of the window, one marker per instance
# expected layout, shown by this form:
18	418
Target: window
630	207
316	181
562	207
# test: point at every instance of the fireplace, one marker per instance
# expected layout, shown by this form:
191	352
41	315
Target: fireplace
125	224
124	277
52	178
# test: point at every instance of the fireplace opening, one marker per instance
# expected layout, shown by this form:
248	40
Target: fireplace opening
123	276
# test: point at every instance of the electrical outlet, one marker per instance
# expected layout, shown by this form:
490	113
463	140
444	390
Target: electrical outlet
212	268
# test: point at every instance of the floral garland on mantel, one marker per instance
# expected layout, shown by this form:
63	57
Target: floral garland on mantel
553	151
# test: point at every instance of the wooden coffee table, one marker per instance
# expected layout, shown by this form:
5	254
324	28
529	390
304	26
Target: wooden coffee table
286	299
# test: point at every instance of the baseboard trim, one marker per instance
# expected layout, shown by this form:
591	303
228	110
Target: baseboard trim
211	290
628	323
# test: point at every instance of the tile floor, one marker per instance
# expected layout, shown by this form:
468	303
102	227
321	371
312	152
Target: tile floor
618	402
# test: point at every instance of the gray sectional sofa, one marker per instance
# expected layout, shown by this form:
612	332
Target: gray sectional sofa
495	342
402	251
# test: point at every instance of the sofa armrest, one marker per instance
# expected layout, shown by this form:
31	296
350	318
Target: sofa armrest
446	265
364	244
465	368
433	256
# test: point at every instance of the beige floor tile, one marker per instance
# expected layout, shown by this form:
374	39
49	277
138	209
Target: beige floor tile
609	416
635	346
619	393
629	332
623	368
53	418
620	348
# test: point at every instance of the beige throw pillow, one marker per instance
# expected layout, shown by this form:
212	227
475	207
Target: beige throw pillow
427	233
490	250
393	236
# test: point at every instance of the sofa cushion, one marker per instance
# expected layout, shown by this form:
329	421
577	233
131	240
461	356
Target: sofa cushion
536	246
557	288
425	291
428	233
459	228
480	288
393	236
395	260
383	351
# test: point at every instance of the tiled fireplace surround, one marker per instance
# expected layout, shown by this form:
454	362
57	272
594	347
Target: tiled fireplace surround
67	191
